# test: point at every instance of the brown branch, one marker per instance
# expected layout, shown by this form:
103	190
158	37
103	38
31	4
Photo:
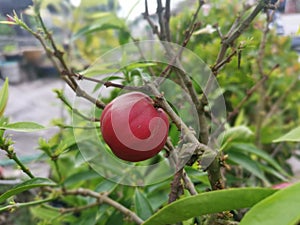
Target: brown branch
62	97
215	176
187	133
56	53
105	83
161	20
176	187
216	26
214	170
7	146
195	15
237	29
167	20
186	80
188	184
150	22
103	198
216	67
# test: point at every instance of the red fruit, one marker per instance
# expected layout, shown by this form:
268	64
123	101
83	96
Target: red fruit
133	128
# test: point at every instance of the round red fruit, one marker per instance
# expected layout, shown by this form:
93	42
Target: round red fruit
133	128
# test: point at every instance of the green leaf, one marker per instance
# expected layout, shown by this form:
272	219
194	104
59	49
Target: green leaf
235	134
45	213
143	207
282	208
104	22
8	22
98	69
251	148
293	135
3	97
139	65
51	215
29	184
82	176
247	163
115	218
106	186
208	202
23	126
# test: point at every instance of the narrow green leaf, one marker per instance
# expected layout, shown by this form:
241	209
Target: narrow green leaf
116	218
282	208
273	172
209	202
98	69
237	134
293	135
106	186
143	207
29	184
247	163
140	65
105	22
251	148
51	215
8	22
77	178
3	97
23	126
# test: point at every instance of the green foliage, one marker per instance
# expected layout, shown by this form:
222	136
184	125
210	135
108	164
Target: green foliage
209	202
4	29
3	97
293	135
142	204
27	185
279	208
22	126
265	115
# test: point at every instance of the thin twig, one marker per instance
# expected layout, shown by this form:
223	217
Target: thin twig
7	146
149	20
62	97
188	134
167	19
103	198
237	29
59	56
13	206
188	184
161	20
105	83
176	186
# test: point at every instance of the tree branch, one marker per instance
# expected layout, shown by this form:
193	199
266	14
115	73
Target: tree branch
7	146
103	198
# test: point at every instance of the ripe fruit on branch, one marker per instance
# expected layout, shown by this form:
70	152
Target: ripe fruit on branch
133	128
